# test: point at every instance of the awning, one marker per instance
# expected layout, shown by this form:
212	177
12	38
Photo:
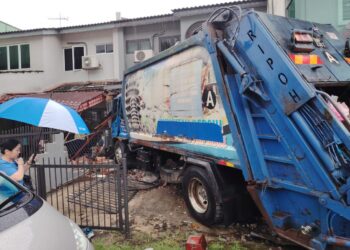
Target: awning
78	100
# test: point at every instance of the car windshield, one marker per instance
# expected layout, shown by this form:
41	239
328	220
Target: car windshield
9	192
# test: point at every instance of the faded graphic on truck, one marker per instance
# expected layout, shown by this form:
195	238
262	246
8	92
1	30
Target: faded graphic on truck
177	100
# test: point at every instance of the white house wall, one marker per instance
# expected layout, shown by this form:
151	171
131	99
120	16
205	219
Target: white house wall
118	54
51	59
16	80
89	40
146	32
47	60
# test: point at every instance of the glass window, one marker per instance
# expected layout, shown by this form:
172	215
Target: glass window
131	46
291	9
167	42
78	54
109	48
141	44
144	44
100	49
15	57
14	62
104	48
25	57
346	9
3	58
73	58
7	189
68	59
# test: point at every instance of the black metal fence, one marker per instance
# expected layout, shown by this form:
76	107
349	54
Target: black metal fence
91	192
31	138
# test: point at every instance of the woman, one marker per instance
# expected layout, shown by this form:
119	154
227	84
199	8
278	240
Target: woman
10	163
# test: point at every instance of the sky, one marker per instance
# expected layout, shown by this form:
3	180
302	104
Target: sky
30	14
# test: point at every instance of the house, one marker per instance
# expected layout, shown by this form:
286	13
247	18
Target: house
335	12
5	27
40	59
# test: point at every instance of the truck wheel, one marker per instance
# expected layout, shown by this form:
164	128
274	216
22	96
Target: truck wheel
199	196
120	150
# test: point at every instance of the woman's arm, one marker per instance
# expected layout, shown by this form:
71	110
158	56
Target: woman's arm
18	175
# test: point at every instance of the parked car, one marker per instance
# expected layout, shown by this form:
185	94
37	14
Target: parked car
28	222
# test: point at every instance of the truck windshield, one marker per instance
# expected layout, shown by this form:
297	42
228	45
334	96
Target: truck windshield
10	193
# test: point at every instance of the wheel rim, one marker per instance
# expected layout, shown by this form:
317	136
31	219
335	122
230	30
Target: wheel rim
118	155
198	196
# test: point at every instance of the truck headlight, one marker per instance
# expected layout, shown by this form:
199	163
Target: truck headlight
81	241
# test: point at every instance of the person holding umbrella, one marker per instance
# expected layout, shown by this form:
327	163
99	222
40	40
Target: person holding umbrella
10	162
40	112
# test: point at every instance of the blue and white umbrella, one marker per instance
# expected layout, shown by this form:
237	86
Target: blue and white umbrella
43	112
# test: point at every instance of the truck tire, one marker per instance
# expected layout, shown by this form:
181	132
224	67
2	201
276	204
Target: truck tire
120	150
199	196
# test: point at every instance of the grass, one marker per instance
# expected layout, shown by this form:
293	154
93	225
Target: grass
141	241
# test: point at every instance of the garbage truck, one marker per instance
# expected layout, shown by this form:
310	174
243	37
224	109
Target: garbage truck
251	116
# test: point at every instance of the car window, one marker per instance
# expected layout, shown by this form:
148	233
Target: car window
7	189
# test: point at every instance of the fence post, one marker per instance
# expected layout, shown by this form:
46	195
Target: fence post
126	198
119	194
41	181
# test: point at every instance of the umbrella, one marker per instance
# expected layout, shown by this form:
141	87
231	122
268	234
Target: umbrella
43	112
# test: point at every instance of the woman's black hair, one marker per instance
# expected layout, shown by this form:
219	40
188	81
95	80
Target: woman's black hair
9	145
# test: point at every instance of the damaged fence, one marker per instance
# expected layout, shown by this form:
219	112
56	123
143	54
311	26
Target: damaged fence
90	192
92	195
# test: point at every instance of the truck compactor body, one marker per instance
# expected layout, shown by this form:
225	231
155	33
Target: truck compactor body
251	116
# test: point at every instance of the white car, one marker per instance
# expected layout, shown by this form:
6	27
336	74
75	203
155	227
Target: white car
28	222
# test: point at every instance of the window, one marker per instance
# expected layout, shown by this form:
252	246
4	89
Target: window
7	189
3	58
68	59
14	57
194	29
167	42
109	48
104	48
133	45
25	58
343	11
100	49
73	58
291	8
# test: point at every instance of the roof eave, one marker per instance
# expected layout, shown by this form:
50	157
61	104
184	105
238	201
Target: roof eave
91	27
39	32
175	16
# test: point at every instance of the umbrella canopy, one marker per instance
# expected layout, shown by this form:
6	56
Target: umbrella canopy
43	113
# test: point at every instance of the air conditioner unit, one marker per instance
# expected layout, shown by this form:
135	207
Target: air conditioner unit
141	55
90	62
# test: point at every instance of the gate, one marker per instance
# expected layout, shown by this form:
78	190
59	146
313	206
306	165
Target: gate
91	192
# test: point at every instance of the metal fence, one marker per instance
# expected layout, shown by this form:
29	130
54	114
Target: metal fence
90	192
31	138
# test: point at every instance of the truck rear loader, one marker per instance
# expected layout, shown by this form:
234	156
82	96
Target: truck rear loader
251	116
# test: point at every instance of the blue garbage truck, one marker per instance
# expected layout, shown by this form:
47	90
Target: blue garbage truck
251	116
